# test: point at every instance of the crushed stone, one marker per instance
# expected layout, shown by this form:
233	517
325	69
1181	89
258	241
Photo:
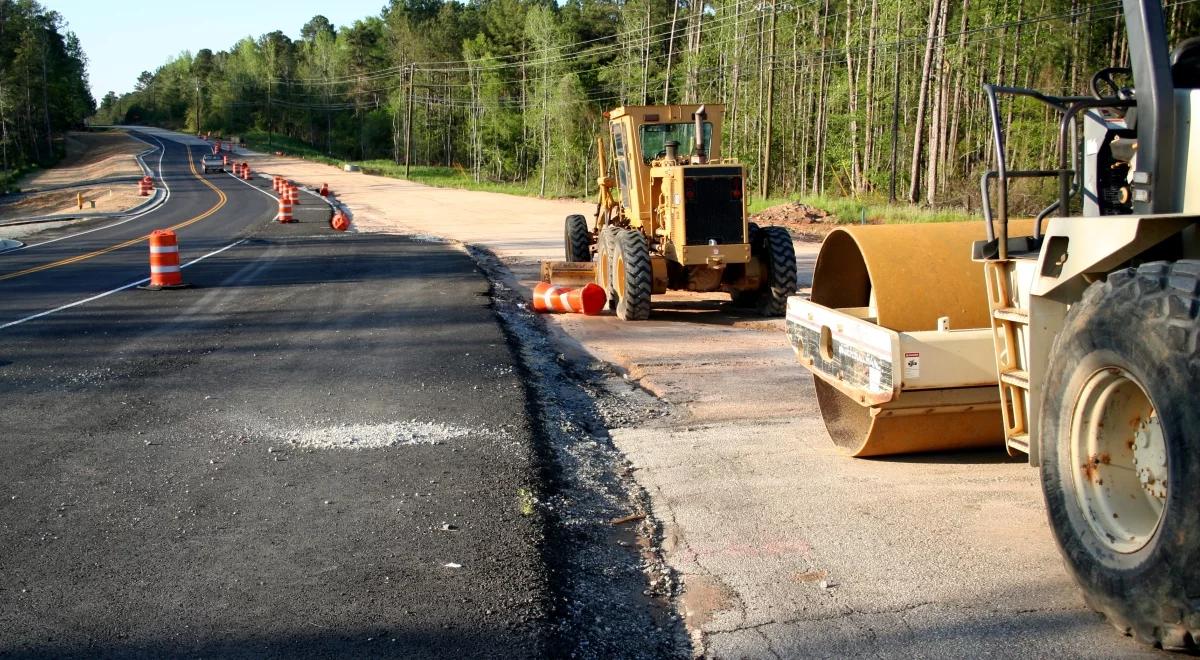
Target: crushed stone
377	436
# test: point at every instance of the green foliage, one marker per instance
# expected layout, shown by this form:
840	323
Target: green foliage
43	86
510	92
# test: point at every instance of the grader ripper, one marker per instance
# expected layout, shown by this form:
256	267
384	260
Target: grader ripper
1075	341
673	218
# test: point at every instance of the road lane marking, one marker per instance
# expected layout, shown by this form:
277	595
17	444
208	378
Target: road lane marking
162	152
119	289
221	200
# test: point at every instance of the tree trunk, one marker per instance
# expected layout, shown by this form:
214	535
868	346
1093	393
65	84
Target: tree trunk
914	183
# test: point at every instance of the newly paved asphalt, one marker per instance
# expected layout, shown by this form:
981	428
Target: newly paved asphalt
175	478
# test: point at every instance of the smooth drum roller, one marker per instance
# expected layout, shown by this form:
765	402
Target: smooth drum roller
897	333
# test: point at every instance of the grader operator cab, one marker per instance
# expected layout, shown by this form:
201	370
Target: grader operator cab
674	217
1074	339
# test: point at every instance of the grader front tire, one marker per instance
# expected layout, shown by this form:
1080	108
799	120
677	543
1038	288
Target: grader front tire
577	239
1120	440
632	276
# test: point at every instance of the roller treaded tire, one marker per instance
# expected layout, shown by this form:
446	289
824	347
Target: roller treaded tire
773	246
633	294
577	239
1145	322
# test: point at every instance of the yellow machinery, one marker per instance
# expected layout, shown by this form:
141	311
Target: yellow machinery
673	217
1074	339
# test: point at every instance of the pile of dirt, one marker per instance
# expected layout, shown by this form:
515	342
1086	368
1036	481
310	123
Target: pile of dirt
803	222
90	157
96	199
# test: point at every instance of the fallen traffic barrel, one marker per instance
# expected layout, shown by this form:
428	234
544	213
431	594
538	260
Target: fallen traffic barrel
588	299
897	333
339	221
164	261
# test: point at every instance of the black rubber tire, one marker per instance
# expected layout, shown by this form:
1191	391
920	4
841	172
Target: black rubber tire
773	247
632	295
1146	322
577	239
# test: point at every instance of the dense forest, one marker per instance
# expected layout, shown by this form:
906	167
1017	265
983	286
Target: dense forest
823	96
43	86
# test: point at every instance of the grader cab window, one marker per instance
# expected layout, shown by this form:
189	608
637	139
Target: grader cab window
656	136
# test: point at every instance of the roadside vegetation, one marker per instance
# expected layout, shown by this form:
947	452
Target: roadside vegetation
43	88
509	94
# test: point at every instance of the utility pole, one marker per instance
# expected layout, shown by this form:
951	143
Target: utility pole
895	106
766	167
269	109
412	69
198	130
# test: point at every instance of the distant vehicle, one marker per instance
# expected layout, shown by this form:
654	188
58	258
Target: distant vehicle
212	163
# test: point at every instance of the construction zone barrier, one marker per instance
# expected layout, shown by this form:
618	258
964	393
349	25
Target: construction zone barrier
588	299
164	261
294	193
285	210
276	180
339	221
224	161
145	186
324	189
245	171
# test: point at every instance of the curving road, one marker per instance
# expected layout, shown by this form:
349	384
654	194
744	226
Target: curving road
320	449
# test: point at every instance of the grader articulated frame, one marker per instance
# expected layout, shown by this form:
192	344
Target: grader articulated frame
1073	339
673	217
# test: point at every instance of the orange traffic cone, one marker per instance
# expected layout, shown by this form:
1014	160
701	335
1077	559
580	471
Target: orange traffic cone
285	210
164	261
589	299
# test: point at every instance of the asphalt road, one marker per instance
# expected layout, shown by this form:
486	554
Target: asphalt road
321	449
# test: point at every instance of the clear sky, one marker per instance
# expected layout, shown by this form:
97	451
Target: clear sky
123	38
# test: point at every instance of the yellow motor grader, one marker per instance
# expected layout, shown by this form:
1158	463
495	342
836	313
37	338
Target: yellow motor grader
674	217
1073	338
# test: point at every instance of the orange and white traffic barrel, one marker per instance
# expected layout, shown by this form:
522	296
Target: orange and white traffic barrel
145	185
324	189
245	171
285	210
294	193
339	221
588	299
164	261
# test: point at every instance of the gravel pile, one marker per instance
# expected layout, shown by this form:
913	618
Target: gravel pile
803	222
376	436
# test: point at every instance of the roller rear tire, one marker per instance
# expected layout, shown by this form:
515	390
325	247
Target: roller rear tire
1120	448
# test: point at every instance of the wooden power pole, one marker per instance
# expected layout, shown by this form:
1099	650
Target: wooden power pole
412	69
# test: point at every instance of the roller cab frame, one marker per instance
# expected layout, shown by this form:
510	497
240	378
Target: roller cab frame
671	214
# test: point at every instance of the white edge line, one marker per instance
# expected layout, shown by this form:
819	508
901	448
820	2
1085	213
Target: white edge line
116	290
167	196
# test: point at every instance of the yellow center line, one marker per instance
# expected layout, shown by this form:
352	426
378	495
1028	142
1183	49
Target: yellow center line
221	200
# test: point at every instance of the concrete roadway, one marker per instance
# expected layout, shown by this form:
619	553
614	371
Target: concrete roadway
288	459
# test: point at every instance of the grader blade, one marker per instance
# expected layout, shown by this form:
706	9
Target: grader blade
568	273
897	335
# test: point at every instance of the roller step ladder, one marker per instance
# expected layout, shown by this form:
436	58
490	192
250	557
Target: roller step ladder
1010	321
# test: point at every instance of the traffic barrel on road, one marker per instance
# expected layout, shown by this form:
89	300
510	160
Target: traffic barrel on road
145	186
224	161
275	182
285	210
245	171
339	221
164	261
588	299
324	189
294	193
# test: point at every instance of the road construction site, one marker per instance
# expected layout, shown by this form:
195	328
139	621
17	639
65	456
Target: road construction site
776	543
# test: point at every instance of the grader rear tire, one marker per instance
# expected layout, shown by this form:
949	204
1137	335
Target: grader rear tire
577	239
632	277
773	247
1120	441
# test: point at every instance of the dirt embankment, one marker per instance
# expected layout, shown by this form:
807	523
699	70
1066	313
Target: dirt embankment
100	167
803	222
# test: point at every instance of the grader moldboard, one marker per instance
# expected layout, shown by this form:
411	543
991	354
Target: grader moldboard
673	218
1077	344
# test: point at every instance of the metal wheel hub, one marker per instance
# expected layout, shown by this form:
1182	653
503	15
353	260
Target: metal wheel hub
1120	455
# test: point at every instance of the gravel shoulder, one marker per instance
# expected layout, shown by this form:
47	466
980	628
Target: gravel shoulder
775	543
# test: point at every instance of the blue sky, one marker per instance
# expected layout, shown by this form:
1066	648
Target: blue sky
123	38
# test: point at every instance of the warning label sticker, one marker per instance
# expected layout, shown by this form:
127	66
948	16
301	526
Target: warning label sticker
912	365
